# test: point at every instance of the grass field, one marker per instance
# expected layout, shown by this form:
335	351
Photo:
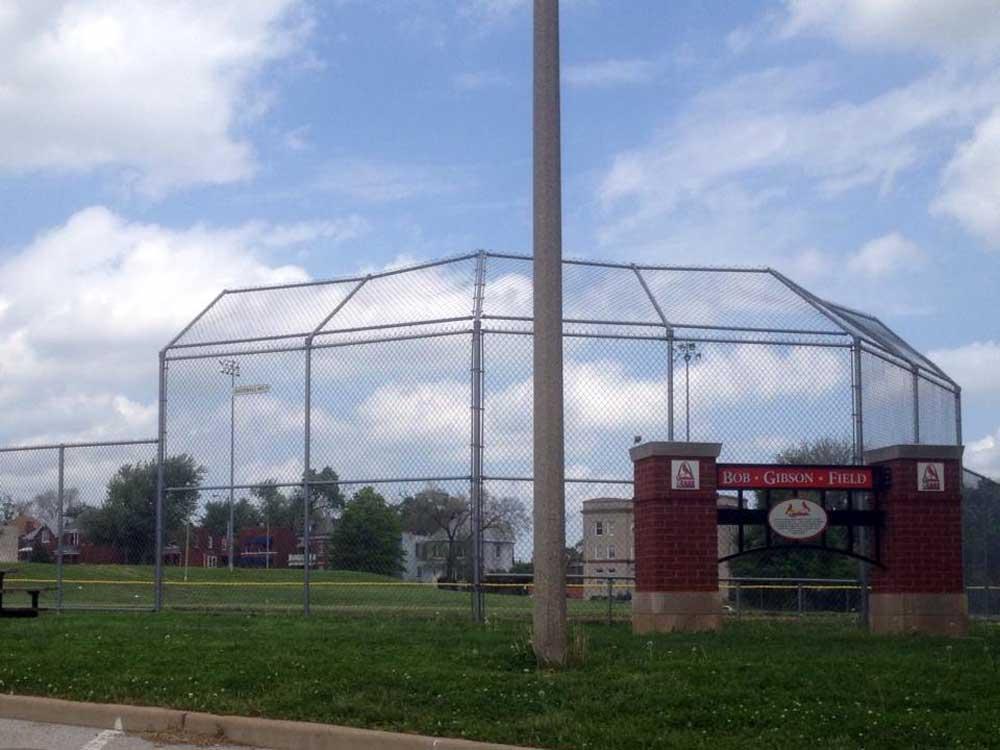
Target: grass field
757	684
279	589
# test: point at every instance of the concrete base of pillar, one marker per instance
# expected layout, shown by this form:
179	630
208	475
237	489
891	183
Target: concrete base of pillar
929	614
676	611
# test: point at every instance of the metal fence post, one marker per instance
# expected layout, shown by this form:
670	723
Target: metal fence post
670	385
958	415
307	460
739	599
160	447
60	525
476	448
670	349
916	405
610	586
800	598
859	452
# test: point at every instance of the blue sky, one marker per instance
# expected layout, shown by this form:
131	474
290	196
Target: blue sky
151	154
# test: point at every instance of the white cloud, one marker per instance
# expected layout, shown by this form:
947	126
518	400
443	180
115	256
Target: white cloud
297	139
154	89
971	190
975	367
885	255
984	455
768	127
480	79
605	73
947	28
87	305
812	263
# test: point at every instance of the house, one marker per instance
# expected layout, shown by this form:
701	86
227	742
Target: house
39	541
77	550
265	547
426	556
11	533
609	543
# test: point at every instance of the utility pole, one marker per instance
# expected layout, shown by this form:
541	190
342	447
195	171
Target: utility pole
549	605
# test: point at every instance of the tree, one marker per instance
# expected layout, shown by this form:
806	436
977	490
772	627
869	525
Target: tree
801	563
127	517
44	506
277	510
367	538
215	517
433	510
326	498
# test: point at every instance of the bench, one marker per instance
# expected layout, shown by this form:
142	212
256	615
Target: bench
33	591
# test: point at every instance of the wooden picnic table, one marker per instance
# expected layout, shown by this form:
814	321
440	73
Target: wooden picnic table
33	591
6	571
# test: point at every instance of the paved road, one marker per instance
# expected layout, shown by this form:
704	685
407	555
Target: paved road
28	735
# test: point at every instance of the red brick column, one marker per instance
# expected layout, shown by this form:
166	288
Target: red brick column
921	588
676	537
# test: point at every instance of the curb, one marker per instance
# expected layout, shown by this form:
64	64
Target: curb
270	733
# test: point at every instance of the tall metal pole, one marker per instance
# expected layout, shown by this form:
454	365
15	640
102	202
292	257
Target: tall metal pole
232	463
958	416
687	397
60	526
916	405
549	605
670	385
476	478
859	451
160	448
307	459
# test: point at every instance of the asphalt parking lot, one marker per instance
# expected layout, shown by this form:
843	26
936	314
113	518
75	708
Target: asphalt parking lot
28	735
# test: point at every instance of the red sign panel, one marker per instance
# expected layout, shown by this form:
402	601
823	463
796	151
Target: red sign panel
782	477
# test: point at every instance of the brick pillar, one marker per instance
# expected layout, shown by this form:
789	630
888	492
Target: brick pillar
921	589
676	538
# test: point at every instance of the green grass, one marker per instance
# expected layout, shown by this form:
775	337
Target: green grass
756	684
279	589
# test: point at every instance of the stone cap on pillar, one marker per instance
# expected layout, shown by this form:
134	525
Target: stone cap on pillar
675	449
919	452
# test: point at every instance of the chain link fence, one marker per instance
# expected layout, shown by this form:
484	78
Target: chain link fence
364	444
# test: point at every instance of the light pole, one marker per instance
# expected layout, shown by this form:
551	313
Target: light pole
231	368
688	351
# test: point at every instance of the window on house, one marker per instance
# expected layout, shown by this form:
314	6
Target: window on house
611	552
599	528
497	551
45	537
611	528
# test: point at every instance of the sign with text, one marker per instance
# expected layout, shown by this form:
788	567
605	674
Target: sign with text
685	475
780	477
246	390
797	519
930	476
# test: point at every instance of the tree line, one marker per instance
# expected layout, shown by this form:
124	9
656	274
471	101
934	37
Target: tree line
365	530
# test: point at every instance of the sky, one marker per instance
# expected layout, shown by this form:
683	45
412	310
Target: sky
153	154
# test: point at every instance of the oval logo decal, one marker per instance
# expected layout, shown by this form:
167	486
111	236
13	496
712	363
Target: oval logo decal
797	519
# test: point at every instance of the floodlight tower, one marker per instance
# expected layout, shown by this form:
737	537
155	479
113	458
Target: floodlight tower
687	351
549	513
